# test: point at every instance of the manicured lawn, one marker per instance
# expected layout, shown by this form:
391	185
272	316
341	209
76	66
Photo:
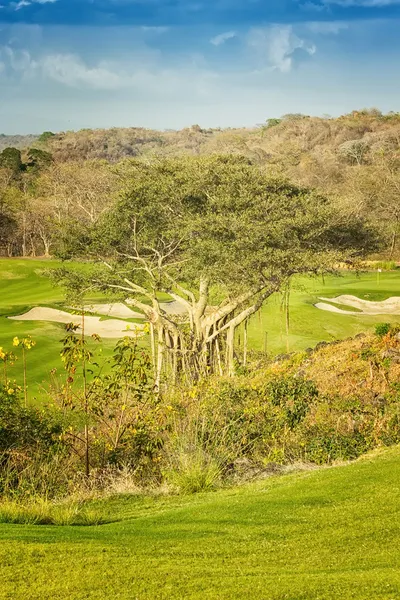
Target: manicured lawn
324	535
309	325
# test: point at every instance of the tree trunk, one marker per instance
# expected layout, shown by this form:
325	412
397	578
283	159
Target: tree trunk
24	253
160	356
393	244
245	344
230	351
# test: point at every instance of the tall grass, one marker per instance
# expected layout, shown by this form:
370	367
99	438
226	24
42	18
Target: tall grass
199	448
44	512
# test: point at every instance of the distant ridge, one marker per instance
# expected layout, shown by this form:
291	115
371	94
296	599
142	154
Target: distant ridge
17	141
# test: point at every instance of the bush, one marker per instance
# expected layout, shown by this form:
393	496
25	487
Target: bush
382	329
192	470
32	452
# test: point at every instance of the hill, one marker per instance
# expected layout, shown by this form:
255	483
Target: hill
323	534
17	141
353	159
292	135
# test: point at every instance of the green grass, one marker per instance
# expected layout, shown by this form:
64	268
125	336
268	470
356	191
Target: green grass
309	325
322	535
23	286
44	512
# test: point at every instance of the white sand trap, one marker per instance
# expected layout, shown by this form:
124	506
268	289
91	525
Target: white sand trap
110	328
117	309
174	308
391	306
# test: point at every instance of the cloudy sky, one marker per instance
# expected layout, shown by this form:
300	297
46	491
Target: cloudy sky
71	64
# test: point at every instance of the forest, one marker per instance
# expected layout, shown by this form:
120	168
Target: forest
50	180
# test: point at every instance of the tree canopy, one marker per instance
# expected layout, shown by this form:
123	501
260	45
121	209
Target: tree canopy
219	236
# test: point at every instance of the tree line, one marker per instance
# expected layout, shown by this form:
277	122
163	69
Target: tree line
354	160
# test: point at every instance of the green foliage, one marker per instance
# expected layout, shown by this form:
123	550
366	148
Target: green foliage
8	227
272	123
386	265
294	395
31	448
126	409
235	225
286	419
24	429
46	136
192	470
10	159
38	159
382	329
117	402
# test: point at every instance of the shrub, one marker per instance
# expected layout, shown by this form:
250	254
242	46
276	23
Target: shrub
382	329
32	452
294	395
192	470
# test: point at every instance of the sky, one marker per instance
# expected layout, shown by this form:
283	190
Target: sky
168	64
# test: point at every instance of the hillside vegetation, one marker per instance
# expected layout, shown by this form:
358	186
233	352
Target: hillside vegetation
17	141
353	158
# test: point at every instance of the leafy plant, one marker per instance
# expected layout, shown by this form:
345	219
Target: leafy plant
382	329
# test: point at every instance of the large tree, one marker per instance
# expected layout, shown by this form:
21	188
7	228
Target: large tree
219	237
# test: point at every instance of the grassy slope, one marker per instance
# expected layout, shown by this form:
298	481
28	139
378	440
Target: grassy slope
327	534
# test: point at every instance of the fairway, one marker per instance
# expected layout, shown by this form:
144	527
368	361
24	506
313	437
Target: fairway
328	534
24	286
309	325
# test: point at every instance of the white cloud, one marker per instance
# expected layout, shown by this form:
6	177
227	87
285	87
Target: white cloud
140	75
277	45
21	4
67	69
220	39
72	71
24	3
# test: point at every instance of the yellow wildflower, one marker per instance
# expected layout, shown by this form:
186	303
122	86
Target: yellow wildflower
16	341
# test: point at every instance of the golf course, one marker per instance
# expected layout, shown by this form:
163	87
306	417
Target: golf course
25	285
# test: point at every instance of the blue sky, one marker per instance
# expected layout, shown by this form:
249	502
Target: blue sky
70	64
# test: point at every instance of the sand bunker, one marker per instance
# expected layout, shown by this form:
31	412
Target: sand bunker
391	306
117	309
174	308
110	328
